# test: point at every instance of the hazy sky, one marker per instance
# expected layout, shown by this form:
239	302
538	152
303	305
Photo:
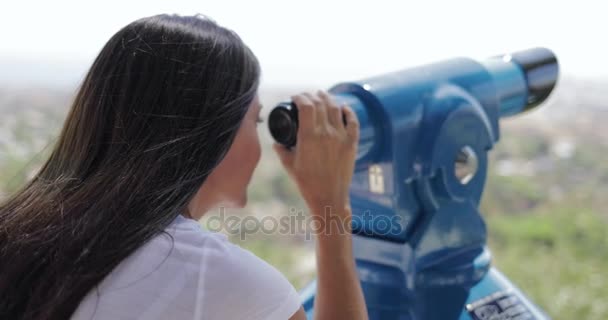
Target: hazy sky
317	42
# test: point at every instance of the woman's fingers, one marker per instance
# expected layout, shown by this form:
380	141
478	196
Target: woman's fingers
321	109
306	113
334	114
352	123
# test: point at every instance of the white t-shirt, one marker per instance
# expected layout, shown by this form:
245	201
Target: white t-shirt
199	275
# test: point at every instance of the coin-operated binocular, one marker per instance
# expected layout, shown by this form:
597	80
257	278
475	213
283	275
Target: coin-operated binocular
419	239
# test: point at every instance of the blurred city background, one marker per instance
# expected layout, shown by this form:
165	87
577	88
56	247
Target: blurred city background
545	200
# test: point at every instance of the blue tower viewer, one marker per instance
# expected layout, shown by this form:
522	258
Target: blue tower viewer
425	132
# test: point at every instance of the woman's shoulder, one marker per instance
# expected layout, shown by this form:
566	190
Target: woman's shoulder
250	285
202	274
248	280
214	251
185	245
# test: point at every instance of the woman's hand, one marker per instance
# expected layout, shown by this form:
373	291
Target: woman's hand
322	165
323	159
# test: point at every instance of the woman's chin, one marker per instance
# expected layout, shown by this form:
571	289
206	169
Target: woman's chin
242	202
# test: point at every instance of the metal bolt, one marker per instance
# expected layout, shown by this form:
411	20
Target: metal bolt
466	164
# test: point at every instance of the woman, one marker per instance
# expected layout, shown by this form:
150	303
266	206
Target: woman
162	129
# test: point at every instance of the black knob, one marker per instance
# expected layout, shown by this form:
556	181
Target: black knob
283	123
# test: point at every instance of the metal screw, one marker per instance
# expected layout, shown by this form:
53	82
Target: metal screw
466	164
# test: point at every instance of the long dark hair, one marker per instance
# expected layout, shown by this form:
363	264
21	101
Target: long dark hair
156	112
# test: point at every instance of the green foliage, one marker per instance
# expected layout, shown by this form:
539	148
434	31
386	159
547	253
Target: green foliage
547	218
558	256
511	195
23	149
